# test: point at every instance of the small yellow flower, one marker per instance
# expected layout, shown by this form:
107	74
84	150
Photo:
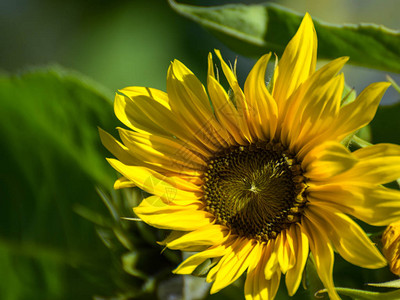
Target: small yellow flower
256	178
391	246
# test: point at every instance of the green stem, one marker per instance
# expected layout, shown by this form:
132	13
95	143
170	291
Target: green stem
360	142
394	84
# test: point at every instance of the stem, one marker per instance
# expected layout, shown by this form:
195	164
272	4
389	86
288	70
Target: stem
360	142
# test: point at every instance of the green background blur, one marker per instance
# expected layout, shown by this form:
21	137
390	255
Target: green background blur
50	155
123	43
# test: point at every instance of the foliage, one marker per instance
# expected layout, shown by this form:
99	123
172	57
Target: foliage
253	30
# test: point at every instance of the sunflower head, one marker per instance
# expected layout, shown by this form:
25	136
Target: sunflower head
256	178
254	190
391	246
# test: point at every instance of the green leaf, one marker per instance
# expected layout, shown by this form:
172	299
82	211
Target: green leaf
388	284
365	295
51	160
253	30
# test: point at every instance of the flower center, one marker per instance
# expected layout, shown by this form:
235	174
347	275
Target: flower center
256	190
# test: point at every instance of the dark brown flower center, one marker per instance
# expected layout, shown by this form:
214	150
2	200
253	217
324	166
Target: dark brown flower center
256	190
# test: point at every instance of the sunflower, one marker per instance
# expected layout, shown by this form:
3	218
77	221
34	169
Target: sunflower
254	179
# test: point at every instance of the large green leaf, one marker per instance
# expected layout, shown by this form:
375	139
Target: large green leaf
51	159
253	30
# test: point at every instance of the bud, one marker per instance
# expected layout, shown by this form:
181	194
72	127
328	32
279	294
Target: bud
391	246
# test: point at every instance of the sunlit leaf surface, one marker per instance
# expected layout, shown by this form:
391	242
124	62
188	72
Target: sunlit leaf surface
253	30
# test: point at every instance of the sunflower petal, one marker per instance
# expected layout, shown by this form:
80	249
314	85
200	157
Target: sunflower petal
166	153
239	98
377	151
319	112
294	275
208	235
378	170
347	237
303	102
272	263
172	189
122	183
118	149
378	164
297	62
146	113
258	288
282	249
141	114
264	110
358	113
375	205
175	217
224	109
323	255
189	100
192	262
327	160
233	264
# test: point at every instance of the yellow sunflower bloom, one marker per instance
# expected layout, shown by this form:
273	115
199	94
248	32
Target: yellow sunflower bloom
255	179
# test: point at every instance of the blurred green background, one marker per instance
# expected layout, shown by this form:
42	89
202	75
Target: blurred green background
62	62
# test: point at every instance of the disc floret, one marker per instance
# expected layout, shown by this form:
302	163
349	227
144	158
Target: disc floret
256	190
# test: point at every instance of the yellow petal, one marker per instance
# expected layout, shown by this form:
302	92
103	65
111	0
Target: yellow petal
148	114
319	112
375	205
378	164
208	235
118	149
358	113
225	111
269	288
263	108
175	217
189	100
140	114
327	160
172	189
282	250
305	97
128	155
233	264
349	240
272	262
157	95
256	256
257	287
378	151
239	99
297	62
294	275
323	255
122	183
167	153
378	170
191	263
